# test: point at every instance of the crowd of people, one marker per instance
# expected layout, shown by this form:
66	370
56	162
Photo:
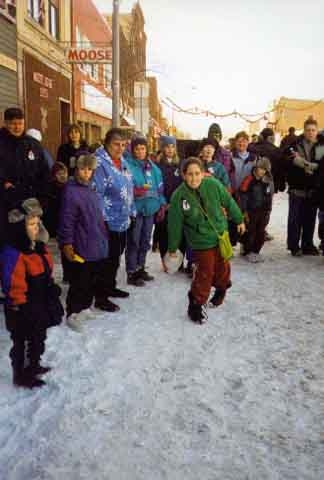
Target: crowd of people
101	203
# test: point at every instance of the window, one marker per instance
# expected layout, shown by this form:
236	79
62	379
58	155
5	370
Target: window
36	10
94	71
107	75
53	20
8	9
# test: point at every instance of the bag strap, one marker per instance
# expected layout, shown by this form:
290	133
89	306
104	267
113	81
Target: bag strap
200	205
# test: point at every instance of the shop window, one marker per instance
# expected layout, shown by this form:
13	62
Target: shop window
107	76
36	11
53	19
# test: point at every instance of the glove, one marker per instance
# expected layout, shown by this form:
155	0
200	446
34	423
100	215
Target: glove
160	216
69	253
140	191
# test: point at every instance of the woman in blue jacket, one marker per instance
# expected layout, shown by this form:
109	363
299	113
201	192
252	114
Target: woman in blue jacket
149	200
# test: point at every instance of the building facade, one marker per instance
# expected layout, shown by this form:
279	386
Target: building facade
44	76
91	81
292	112
8	56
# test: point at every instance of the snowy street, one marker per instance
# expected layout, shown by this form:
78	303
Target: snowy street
144	394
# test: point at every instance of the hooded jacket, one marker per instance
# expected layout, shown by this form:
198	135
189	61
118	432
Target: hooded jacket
186	214
115	190
81	222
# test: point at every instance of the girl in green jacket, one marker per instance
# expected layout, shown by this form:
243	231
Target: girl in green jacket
199	207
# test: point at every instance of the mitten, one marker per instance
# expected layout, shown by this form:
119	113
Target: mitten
69	253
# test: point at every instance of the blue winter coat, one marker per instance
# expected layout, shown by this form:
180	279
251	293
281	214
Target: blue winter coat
115	190
218	171
148	201
81	222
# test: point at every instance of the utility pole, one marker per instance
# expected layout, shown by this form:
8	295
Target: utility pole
115	65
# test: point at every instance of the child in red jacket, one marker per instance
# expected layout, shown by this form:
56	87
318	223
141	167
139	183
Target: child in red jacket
31	298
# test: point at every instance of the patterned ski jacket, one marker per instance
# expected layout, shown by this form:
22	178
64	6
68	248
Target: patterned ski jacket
115	189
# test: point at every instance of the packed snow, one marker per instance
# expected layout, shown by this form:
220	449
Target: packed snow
145	394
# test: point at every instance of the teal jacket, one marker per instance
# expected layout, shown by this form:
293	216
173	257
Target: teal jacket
217	170
148	186
186	214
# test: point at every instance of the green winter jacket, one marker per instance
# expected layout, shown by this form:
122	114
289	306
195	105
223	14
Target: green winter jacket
186	215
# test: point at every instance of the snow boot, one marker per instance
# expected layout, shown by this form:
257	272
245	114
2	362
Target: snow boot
196	312
144	275
21	378
117	293
37	370
218	298
134	279
106	305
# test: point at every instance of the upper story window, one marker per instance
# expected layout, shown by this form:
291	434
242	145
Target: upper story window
107	75
36	10
53	18
8	9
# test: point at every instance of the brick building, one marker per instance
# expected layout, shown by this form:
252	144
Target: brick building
92	99
44	77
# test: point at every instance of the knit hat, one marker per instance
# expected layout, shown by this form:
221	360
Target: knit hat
88	160
34	133
208	141
138	141
167	140
215	129
266	133
58	166
263	162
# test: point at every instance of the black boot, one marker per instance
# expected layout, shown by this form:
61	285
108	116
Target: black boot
21	378
134	279
310	250
106	305
196	311
37	369
117	293
141	273
218	298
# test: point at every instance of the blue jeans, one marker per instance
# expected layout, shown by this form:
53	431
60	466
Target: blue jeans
138	243
301	222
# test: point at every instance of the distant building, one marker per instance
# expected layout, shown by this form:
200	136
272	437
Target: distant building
292	112
44	77
8	56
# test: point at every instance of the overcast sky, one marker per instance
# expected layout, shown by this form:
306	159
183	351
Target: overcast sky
232	54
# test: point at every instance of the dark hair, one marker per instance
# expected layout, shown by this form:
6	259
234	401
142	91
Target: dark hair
113	134
13	113
73	126
208	141
310	121
192	161
241	135
291	130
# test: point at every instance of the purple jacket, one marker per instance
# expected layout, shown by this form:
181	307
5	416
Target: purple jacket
81	222
225	157
171	175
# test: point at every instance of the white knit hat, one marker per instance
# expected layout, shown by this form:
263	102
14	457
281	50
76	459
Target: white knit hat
36	134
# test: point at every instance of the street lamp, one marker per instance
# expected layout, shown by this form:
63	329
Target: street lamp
115	66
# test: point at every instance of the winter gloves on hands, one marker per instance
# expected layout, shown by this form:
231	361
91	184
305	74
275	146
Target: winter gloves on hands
69	253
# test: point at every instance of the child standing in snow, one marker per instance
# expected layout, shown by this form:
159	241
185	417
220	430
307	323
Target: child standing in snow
197	208
213	167
83	238
149	200
256	194
31	298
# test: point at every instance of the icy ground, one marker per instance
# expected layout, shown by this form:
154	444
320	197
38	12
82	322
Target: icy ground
146	395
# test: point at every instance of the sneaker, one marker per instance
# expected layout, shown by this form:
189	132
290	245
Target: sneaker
252	257
106	305
117	293
196	311
134	279
312	250
144	275
74	322
268	237
297	252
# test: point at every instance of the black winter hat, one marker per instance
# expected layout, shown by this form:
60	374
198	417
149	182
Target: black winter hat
138	141
267	132
208	141
215	128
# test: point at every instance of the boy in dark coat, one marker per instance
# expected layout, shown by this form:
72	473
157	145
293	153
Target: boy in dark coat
83	237
256	201
31	297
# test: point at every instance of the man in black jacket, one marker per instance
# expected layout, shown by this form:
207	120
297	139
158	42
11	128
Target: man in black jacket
303	158
24	172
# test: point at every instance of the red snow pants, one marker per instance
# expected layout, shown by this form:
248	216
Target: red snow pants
211	270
